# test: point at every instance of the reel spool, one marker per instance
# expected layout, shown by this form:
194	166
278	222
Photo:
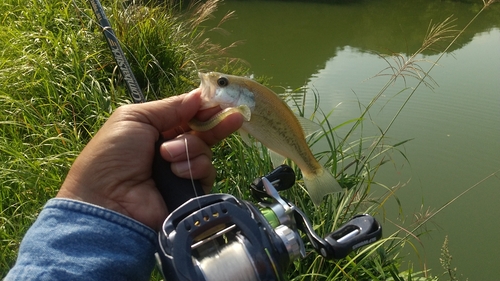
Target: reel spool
200	237
217	237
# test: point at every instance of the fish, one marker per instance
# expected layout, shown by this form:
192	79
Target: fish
269	120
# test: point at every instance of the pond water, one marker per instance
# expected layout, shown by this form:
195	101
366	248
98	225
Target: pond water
332	49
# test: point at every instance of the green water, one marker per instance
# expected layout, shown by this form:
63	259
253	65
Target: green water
455	127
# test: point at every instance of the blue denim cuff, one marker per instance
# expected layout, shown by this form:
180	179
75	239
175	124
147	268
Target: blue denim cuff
73	240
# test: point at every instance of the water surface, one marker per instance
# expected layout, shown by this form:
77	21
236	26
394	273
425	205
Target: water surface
334	50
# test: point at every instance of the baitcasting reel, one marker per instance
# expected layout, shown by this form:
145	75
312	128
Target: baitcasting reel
218	237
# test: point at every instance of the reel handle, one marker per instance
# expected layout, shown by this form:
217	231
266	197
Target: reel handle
361	230
174	190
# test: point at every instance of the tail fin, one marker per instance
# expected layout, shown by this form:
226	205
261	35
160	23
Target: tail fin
320	184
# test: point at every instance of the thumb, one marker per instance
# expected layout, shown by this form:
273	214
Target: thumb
169	113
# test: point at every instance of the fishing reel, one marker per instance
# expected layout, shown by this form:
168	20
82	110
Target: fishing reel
218	237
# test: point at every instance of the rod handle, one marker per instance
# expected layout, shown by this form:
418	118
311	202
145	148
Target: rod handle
174	190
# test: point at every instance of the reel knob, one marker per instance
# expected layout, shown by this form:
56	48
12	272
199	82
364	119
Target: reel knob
282	178
292	242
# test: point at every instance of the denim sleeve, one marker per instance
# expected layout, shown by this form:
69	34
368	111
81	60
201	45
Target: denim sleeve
73	240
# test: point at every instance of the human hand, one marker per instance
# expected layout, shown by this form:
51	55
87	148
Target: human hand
114	169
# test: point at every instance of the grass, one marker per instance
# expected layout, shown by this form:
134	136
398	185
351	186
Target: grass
58	85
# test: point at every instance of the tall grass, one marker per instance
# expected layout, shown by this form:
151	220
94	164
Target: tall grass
52	100
58	85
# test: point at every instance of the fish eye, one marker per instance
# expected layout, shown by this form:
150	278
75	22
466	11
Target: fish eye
222	82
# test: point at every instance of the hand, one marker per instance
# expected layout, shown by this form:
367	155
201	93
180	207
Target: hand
114	169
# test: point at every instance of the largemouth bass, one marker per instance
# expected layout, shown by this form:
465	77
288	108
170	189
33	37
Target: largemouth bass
269	120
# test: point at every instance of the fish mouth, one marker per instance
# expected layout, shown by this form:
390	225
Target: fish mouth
207	91
203	80
205	86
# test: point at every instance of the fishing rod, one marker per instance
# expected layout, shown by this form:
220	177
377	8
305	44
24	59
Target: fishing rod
114	45
217	237
174	190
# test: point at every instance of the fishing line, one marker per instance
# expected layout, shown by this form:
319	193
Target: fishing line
191	173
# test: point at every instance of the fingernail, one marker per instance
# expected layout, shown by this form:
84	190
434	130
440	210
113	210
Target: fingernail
180	168
175	148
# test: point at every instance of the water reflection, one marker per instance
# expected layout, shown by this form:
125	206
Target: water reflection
291	40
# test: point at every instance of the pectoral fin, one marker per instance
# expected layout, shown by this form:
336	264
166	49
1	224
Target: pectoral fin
308	126
200	126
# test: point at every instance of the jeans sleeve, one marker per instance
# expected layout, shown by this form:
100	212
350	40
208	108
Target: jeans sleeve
72	240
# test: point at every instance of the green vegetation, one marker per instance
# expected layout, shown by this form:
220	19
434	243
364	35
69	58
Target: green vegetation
58	84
